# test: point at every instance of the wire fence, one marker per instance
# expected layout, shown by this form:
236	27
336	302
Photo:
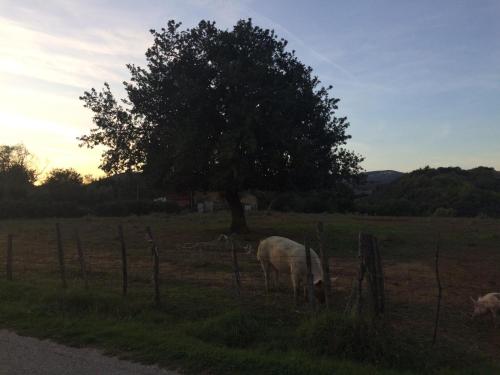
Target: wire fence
122	258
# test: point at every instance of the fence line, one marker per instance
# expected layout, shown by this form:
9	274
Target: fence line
60	253
81	259
233	269
9	257
124	260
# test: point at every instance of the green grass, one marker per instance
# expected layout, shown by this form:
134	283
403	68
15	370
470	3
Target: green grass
203	328
197	338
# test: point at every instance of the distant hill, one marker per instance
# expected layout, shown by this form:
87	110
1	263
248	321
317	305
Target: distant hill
440	192
372	180
382	177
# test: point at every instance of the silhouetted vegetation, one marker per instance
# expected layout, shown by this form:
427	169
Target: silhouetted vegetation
223	110
338	199
441	192
62	193
438	192
17	173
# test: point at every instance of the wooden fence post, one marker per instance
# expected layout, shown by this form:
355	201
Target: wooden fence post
236	269
124	260
9	257
156	266
370	264
373	264
81	259
361	276
440	289
60	253
310	281
327	289
377	275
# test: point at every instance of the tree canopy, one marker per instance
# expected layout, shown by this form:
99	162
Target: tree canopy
223	110
17	173
62	176
64	184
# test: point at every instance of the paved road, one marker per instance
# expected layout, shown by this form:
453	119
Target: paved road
28	356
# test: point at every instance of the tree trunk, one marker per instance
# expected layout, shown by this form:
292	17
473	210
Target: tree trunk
238	221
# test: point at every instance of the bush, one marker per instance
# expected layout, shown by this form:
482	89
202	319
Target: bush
445	212
483	216
30	209
232	329
286	202
38	209
389	207
166	207
134	207
339	199
349	338
316	203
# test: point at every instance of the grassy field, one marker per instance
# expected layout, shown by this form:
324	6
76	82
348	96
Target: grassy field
202	326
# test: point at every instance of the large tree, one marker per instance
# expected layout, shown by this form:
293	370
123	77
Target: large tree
223	110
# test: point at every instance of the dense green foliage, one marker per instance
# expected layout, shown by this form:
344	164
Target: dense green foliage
439	192
63	193
338	199
223	110
33	209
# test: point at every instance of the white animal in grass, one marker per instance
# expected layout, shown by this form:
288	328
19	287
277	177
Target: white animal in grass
489	303
282	255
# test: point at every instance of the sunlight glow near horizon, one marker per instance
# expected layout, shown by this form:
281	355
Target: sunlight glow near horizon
54	140
45	78
419	83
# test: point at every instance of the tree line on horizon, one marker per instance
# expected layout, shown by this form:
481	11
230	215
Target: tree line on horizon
63	192
445	192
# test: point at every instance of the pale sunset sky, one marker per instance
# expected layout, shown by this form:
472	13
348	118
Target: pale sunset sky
418	80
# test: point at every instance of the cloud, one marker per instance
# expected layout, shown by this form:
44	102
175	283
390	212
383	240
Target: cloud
44	69
52	143
408	67
65	60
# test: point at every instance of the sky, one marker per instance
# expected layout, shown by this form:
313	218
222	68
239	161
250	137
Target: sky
418	80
